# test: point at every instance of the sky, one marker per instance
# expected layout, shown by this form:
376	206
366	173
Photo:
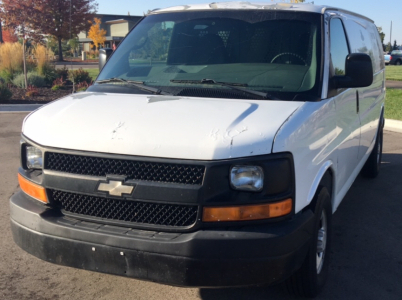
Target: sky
382	12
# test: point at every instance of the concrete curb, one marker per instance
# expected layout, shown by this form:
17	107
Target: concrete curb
393	125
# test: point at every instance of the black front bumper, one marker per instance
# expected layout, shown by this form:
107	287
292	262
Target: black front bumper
250	255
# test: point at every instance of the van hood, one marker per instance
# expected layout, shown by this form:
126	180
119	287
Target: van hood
159	126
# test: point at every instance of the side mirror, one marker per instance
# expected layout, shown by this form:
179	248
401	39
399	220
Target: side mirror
104	55
359	72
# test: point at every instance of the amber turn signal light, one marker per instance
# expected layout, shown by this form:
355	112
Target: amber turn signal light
36	191
247	212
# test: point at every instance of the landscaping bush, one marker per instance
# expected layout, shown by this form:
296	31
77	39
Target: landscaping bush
62	73
82	86
32	91
5	93
43	56
11	59
58	83
6	75
80	75
33	79
50	73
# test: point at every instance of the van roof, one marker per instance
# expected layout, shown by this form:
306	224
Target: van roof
239	5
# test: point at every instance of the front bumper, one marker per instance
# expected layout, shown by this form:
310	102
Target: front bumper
249	255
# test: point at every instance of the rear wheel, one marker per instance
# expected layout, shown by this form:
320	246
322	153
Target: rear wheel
371	168
398	62
311	277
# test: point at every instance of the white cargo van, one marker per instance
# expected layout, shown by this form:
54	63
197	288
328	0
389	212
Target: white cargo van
212	150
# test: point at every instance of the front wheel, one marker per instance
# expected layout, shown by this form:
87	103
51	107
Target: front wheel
311	277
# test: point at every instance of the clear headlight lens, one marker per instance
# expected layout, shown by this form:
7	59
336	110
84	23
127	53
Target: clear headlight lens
34	158
247	178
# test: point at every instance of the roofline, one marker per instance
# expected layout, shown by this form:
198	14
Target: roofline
325	9
209	6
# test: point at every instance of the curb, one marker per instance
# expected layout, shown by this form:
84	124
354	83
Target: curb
393	125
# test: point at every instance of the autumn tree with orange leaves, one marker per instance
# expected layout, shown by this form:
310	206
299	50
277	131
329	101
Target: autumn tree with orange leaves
97	34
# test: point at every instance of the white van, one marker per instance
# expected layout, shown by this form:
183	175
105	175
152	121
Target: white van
212	150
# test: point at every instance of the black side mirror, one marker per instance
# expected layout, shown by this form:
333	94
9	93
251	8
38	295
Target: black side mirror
359	72
104	55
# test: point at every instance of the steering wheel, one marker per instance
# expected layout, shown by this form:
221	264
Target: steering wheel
290	54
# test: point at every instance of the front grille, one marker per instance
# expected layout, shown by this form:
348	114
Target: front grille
136	170
127	211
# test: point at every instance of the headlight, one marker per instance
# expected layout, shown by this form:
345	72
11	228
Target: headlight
34	158
247	178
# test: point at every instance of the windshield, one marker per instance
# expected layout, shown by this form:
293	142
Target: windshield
208	53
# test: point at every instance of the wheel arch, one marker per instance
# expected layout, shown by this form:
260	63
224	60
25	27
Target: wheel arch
325	178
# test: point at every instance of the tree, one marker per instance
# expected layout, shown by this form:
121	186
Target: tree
96	34
382	36
64	19
395	47
18	16
59	18
74	44
9	36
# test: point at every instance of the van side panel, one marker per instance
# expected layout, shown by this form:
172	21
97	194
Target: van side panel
311	136
363	38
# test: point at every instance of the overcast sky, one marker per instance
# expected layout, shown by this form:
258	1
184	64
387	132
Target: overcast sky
382	12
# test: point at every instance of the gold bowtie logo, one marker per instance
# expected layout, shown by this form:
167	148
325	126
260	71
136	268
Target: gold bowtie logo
115	188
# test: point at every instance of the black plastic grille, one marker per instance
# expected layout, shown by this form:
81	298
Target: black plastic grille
127	211
137	170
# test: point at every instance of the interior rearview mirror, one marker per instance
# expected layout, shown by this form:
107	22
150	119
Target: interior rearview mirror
104	55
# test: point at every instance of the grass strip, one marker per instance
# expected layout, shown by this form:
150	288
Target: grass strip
393	104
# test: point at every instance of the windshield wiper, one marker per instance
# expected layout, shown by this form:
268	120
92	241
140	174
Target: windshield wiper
139	84
232	85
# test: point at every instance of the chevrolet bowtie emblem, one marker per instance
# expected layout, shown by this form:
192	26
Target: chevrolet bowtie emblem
115	188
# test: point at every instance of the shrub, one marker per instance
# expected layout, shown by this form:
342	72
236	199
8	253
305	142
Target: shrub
5	93
11	58
82	86
33	79
7	75
63	73
32	91
80	75
42	56
58	83
49	73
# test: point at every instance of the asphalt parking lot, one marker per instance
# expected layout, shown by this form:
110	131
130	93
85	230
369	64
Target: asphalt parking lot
366	255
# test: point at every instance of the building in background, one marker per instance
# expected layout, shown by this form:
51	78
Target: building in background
116	26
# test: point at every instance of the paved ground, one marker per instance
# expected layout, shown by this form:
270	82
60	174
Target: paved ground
366	256
393	84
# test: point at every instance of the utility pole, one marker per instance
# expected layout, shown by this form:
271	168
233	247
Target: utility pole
390	37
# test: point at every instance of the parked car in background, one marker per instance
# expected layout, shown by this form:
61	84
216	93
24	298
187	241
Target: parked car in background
387	58
396	58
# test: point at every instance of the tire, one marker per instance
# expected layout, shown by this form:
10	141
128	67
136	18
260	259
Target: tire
398	62
371	168
312	275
